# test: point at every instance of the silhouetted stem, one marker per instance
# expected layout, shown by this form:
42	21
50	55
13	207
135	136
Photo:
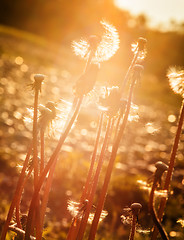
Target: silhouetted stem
110	167
171	167
45	199
47	168
94	184
42	133
134	60
19	225
133	226
35	133
89	176
153	212
16	194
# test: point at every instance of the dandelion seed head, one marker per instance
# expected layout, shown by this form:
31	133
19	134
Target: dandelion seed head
77	209
81	48
133	115
73	207
103	47
50	118
127	220
181	221
102	216
176	80
139	48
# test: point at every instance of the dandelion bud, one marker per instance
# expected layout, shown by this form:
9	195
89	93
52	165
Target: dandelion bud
160	169
141	43
38	81
136	207
86	81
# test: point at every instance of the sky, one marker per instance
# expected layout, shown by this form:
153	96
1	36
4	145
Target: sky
158	11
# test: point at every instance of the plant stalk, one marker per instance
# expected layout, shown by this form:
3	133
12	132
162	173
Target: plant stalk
16	194
83	223
110	166
47	168
171	168
133	227
153	212
89	177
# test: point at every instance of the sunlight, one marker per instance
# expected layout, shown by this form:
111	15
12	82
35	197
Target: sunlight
158	12
133	6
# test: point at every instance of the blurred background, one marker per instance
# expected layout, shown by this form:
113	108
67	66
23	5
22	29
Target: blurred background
36	37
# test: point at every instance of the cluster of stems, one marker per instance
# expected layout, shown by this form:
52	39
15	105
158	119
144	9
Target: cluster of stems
78	225
43	170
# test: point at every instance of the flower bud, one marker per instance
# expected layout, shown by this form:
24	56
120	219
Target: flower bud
38	81
141	43
136	207
160	169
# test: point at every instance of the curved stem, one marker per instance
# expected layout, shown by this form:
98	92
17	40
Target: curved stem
110	167
153	212
47	168
19	225
16	194
171	167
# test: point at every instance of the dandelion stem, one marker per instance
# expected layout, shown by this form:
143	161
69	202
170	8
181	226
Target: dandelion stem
153	212
133	226
134	60
19	225
94	184
42	150
47	168
45	199
16	194
171	167
110	166
89	177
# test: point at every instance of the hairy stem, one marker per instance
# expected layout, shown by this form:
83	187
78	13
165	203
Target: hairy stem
153	212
